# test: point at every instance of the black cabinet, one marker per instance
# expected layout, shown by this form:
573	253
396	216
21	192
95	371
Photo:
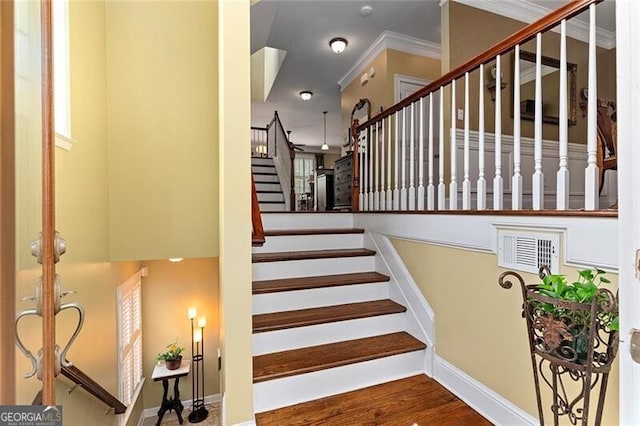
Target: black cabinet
343	179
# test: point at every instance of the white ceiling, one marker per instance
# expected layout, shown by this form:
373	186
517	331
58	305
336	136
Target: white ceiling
303	28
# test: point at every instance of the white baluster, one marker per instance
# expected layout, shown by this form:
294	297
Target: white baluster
376	169
562	179
403	187
538	177
389	191
361	171
421	158
453	184
396	191
367	154
370	153
591	191
498	183
412	138
430	194
383	193
516	180
441	186
466	183
482	183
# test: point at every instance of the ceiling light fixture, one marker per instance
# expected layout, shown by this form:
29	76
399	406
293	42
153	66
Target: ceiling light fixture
338	44
324	146
306	95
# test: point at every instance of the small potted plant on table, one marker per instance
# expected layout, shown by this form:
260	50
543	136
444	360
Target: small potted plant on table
573	337
172	356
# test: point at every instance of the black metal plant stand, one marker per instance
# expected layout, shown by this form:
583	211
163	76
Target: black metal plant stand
198	410
576	348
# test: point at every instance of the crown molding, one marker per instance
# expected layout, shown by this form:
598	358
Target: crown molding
390	40
528	12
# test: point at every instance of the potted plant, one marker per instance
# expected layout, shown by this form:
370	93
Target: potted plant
172	356
573	337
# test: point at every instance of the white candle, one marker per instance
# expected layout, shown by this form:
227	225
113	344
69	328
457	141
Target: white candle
191	313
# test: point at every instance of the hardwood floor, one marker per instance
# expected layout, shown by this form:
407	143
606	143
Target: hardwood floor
416	400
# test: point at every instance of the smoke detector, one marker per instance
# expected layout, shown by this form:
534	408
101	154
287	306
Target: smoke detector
366	11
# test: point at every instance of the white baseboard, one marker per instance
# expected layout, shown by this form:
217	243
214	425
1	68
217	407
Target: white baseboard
151	412
249	423
485	401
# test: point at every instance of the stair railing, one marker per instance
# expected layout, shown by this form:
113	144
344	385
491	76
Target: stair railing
387	144
257	231
283	155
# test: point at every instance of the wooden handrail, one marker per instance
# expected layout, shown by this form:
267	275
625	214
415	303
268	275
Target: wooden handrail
257	232
292	154
527	33
78	377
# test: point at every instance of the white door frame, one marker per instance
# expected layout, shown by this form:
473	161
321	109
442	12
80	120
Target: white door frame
628	97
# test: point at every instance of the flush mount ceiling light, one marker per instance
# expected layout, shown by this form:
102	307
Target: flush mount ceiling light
324	146
338	44
306	95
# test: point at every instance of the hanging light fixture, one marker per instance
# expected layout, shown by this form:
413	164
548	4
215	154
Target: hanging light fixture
324	146
338	44
306	95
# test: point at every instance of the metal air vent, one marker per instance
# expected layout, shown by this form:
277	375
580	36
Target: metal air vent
528	250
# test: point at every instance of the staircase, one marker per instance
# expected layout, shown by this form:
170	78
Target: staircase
270	195
324	322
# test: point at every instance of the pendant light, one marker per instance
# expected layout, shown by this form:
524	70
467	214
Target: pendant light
324	146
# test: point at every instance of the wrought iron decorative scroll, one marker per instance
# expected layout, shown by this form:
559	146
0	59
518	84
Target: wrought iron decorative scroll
569	343
60	355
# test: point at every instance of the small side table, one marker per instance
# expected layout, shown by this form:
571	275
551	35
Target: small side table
160	372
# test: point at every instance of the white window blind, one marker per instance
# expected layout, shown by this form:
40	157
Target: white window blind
129	299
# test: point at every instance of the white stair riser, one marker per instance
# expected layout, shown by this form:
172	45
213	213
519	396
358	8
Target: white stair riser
317	297
292	390
272	207
265	178
308	221
263	169
268	187
310	242
257	161
314	335
268	196
312	267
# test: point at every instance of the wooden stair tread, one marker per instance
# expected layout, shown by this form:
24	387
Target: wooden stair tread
315	358
265	173
319	281
270	202
312	316
310	254
312	231
417	399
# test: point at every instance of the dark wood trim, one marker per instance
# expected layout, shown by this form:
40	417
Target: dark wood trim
313	231
7	205
318	281
310	254
48	210
257	232
80	378
543	24
355	185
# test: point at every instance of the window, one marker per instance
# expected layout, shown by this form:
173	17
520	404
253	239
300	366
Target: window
129	299
304	166
62	90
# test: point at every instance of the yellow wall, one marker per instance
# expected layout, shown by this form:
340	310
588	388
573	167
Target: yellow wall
466	42
411	65
235	212
162	127
479	327
167	292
